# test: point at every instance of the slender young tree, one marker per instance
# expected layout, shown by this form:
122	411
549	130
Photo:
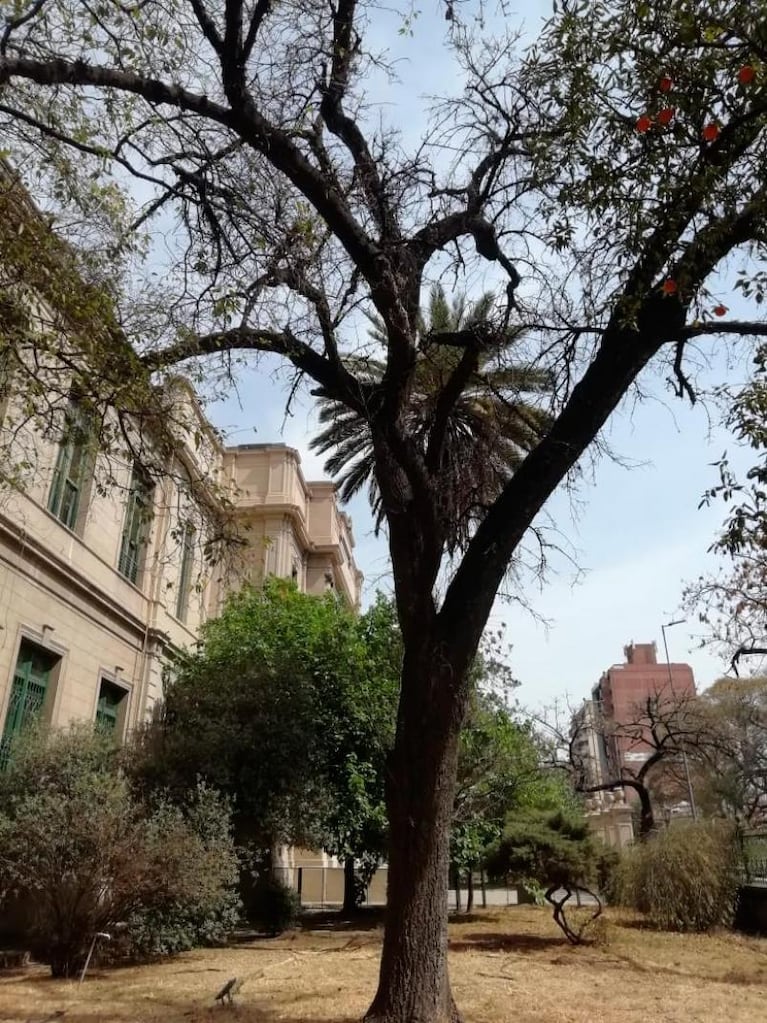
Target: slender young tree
616	166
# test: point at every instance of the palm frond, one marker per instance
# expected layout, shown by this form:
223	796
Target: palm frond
490	430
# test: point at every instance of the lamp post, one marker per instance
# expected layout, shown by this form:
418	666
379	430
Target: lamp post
690	793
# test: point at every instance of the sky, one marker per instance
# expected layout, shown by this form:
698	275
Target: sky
637	533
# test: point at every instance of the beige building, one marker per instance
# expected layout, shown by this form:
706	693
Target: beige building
97	587
103	570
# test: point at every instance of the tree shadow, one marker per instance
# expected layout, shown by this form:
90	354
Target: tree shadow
489	942
457	917
365	919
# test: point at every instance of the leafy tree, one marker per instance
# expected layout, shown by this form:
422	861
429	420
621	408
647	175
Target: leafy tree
79	854
733	605
288	707
500	770
622	159
731	768
553	851
489	429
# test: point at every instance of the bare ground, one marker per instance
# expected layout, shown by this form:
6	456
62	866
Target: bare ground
509	964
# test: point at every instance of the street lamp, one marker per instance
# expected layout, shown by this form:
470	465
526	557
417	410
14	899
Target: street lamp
691	795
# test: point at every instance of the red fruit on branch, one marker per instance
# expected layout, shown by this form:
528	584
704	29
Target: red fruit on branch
746	74
666	115
720	310
669	287
711	132
666	84
644	123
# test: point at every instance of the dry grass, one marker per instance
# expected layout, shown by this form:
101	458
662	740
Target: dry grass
506	965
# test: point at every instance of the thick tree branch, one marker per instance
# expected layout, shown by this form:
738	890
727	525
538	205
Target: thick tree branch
248	122
207	25
752	328
448	397
623	352
338	383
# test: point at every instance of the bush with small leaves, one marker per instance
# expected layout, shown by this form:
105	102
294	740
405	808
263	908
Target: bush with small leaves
81	854
272	906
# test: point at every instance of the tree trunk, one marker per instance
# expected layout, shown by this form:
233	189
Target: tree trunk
457	888
413	982
469	892
646	815
349	907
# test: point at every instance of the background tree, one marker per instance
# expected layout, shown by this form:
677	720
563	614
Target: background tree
731	768
489	429
732	605
661	729
295	207
500	771
288	708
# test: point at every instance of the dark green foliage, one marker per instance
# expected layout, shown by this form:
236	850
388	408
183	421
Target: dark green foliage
82	854
288	707
271	905
555	852
684	878
546	849
499	772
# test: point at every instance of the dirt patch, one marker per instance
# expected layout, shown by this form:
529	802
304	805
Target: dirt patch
506	965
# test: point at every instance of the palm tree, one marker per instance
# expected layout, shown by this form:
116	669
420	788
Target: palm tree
489	431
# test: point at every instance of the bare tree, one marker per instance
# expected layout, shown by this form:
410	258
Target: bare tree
599	753
289	204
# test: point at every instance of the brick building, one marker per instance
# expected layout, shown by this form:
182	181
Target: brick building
623	691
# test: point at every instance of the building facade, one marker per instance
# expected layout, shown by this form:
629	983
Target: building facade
98	587
105	569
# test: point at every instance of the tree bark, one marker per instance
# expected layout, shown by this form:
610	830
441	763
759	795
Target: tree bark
469	891
413	982
646	815
349	907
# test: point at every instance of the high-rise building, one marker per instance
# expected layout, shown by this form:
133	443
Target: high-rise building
621	696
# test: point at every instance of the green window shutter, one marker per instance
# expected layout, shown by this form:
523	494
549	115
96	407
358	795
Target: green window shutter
30	684
185	573
71	468
108	706
137	515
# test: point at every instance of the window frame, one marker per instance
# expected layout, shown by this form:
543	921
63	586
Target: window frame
24	705
117	712
69	491
135	531
186	568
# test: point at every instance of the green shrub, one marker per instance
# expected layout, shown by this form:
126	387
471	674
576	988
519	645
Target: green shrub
272	906
684	878
81	854
203	905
